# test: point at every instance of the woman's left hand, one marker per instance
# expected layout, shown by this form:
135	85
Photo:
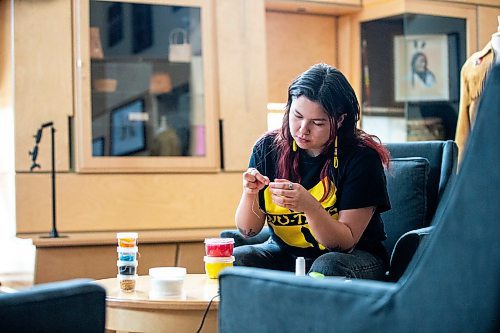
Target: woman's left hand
292	196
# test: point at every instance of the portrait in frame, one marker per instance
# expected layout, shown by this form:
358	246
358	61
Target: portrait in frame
128	134
421	68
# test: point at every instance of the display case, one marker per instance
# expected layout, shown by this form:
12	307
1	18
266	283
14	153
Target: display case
145	86
410	76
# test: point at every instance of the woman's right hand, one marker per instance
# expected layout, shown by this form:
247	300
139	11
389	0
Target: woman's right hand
254	181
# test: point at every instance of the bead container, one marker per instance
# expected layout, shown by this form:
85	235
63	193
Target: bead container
219	247
214	265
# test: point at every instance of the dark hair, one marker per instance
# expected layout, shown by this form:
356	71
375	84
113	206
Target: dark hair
327	86
413	70
414	60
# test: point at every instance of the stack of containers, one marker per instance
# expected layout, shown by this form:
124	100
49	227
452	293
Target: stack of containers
127	260
219	255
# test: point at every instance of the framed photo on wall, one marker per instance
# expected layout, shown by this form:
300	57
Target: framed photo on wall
421	68
128	129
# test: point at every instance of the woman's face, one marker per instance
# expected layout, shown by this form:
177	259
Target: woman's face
309	125
420	64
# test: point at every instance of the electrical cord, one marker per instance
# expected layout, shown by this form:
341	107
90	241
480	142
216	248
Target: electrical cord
206	312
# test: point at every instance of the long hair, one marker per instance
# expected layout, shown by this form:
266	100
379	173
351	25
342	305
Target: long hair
414	72
328	87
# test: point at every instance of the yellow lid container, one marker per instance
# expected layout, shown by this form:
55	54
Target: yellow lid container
214	265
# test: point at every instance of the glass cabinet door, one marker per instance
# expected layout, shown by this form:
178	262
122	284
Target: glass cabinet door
145	86
410	76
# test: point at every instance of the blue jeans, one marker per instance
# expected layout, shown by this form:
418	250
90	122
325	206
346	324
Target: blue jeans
357	264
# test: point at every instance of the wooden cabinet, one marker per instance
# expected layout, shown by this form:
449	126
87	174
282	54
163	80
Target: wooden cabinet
145	95
99	193
241	58
42	79
94	255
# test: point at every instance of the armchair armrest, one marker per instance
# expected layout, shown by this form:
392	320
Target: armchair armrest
404	250
259	300
240	240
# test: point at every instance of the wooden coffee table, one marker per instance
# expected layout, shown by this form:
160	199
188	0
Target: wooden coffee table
138	312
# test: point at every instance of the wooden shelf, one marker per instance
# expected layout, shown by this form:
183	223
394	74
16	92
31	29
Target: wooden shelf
107	238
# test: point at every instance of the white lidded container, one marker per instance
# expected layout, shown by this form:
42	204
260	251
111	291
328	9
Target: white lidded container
127	253
127	267
127	239
167	281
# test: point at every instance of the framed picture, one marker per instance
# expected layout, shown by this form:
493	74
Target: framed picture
98	146
128	128
421	68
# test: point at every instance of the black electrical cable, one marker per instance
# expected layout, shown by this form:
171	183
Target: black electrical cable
205	314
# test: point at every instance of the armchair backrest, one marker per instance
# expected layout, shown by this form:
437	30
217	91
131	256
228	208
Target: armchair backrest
68	306
442	157
417	177
453	281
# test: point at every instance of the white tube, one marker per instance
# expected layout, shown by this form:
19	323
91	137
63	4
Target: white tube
300	266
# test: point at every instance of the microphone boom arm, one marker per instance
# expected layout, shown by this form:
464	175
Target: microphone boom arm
34	154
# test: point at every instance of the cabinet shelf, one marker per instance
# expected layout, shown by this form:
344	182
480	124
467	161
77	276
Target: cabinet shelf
130	59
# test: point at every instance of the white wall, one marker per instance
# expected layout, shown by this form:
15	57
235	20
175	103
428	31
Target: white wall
388	129
23	260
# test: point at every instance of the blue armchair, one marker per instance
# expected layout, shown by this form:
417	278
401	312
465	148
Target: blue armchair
68	306
452	282
419	173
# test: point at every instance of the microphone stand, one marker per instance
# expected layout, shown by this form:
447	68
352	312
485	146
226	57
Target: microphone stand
34	153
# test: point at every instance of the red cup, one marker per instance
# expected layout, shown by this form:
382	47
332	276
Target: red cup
219	247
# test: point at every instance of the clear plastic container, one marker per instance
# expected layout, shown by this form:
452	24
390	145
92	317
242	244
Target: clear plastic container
214	265
167	281
127	282
127	253
127	267
219	247
127	239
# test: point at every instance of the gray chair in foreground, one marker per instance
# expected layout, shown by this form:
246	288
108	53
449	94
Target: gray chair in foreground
68	306
451	285
416	180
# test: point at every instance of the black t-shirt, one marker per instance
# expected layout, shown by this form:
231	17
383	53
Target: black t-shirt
359	182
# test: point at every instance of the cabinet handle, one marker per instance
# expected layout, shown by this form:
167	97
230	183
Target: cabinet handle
221	142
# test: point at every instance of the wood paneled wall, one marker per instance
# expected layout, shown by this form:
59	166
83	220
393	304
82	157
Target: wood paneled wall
43	78
488	24
93	202
241	42
288	36
44	84
258	54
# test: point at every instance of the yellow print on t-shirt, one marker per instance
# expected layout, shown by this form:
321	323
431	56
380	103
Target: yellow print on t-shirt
291	226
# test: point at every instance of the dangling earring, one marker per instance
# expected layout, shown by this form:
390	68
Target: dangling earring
335	156
294	146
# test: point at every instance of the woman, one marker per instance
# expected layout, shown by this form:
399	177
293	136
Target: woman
420	71
319	183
